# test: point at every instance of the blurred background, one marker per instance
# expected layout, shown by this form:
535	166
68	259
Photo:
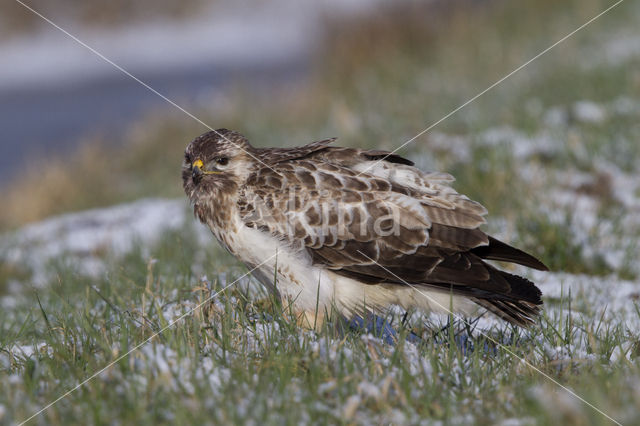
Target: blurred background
78	133
553	152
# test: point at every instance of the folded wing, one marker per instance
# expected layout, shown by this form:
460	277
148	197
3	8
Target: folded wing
372	216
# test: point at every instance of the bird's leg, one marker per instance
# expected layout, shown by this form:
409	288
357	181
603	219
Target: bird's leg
312	320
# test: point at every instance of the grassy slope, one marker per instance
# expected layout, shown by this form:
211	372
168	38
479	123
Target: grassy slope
379	84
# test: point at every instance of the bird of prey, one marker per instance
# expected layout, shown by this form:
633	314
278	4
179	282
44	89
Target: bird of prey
353	231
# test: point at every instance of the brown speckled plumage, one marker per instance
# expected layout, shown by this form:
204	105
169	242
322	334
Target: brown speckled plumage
378	223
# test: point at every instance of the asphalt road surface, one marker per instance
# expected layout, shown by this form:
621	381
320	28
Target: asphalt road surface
36	123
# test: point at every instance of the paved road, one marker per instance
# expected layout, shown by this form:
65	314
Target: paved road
35	123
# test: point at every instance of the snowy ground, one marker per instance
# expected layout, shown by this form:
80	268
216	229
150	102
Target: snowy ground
84	238
94	243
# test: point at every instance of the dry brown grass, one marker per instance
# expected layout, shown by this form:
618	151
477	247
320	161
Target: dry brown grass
55	187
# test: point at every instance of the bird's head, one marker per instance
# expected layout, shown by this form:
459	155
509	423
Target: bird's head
216	161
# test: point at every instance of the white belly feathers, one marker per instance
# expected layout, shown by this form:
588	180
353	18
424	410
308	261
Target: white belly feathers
307	286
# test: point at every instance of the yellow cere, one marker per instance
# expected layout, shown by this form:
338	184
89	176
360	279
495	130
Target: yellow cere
198	163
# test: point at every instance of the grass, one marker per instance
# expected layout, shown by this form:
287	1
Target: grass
561	188
224	362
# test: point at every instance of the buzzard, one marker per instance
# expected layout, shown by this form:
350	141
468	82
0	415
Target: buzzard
353	231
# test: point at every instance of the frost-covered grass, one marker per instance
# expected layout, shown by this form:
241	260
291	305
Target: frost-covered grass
236	358
554	153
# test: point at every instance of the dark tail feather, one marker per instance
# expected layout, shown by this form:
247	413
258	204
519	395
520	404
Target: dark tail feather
497	250
521	288
519	306
516	312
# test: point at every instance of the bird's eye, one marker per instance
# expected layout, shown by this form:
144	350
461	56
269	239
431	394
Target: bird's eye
223	161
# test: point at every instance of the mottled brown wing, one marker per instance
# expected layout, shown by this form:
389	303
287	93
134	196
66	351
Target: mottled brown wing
396	226
351	223
272	156
321	150
431	188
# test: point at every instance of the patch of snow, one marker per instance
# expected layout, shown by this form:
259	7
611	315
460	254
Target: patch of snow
522	145
14	379
8	301
326	386
174	311
83	236
518	422
597	294
28	351
622	352
556	117
458	146
595	233
619	48
586	111
589	112
625	187
625	106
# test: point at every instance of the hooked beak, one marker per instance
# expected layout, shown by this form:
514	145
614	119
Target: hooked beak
197	171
